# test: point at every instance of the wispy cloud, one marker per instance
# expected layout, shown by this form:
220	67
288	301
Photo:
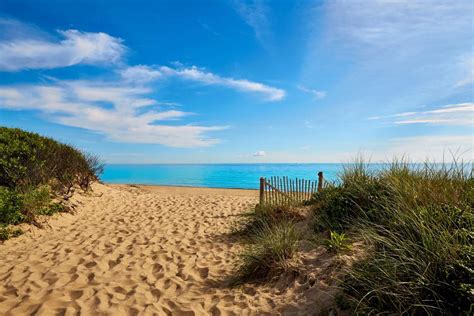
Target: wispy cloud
468	64
399	36
435	147
452	114
255	14
317	94
37	51
80	104
381	23
259	153
142	73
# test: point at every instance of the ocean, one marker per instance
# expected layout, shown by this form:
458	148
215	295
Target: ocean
242	176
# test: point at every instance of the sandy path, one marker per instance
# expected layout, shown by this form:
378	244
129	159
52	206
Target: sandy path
134	250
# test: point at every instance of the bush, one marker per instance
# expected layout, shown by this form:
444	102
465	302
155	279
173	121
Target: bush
7	232
29	160
33	169
418	222
268	255
11	206
36	199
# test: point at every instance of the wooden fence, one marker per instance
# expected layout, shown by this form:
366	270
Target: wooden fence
282	190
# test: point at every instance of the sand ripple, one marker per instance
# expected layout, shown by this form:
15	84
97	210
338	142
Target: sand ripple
133	250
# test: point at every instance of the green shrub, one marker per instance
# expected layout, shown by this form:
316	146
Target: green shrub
36	199
11	206
51	209
7	232
268	255
34	169
29	160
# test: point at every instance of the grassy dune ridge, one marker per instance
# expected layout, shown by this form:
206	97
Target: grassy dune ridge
37	174
417	228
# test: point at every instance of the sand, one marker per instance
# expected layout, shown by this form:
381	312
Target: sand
144	250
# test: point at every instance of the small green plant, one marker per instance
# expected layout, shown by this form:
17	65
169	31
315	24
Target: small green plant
51	209
7	232
337	241
268	255
37	199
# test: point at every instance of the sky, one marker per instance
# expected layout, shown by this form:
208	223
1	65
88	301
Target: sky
242	81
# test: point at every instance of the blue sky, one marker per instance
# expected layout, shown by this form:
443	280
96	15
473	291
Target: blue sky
242	81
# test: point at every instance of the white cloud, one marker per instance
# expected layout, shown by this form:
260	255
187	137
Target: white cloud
259	153
140	74
80	104
381	23
452	114
35	50
317	94
143	74
255	14
468	64
414	44
434	147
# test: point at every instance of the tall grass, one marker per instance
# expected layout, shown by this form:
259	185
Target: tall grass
418	223
270	240
268	254
263	217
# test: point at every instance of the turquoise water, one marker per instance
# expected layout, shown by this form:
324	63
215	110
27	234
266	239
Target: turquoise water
244	176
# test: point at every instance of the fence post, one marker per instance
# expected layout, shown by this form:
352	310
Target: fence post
262	190
320	181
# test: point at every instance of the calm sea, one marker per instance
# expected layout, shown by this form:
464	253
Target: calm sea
244	176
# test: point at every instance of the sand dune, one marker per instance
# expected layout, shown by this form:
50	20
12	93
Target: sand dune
136	250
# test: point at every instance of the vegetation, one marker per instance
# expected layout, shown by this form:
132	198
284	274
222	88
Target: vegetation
34	172
29	160
272	245
271	239
264	217
7	232
418	225
337	241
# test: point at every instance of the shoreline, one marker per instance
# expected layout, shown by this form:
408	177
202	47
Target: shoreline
187	190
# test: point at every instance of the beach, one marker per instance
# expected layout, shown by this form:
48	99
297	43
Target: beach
147	250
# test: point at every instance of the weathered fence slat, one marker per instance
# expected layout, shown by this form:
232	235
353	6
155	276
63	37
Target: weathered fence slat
282	190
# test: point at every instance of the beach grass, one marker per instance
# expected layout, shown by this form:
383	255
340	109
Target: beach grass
417	223
263	217
268	254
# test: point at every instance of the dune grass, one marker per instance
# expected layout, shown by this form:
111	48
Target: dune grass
272	245
417	222
263	217
270	238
